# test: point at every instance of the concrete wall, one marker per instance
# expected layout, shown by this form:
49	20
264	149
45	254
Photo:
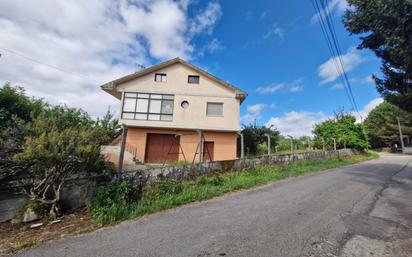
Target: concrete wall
193	117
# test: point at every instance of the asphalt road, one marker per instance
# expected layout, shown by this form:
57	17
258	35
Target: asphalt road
327	213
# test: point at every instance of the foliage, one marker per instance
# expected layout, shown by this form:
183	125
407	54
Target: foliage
382	127
208	187
61	142
254	136
385	27
344	129
14	104
163	189
201	180
42	145
216	180
16	109
116	193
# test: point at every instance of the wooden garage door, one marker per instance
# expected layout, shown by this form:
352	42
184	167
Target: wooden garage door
161	148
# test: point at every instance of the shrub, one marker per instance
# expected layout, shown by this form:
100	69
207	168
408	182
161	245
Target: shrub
164	188
114	194
216	180
202	180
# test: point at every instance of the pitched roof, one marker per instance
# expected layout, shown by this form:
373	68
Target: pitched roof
111	86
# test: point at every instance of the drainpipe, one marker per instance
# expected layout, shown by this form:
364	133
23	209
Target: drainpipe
242	146
122	148
200	132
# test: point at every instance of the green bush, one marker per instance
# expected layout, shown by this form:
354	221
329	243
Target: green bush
202	180
163	189
114	194
216	180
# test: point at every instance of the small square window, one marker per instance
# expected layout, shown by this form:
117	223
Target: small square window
214	109
160	77
193	79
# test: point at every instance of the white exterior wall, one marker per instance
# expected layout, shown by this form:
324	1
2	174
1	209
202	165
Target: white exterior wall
193	117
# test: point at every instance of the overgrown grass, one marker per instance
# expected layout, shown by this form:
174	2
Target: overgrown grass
22	245
174	193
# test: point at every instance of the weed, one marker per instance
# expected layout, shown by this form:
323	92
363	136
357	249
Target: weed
216	180
168	194
201	180
22	245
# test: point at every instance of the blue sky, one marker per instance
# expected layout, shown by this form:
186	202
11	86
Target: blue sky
274	50
254	56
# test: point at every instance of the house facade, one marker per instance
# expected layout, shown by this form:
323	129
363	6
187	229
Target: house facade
175	111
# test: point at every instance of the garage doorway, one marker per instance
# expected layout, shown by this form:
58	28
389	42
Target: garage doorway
208	149
162	148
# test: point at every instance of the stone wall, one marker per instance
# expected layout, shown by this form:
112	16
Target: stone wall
188	172
77	191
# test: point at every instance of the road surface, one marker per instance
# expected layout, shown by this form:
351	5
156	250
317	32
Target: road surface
358	210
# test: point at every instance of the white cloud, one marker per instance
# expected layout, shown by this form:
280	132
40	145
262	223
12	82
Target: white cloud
265	14
296	123
301	123
206	20
363	114
275	31
337	86
97	39
296	88
293	87
213	46
270	89
254	112
334	6
328	71
370	79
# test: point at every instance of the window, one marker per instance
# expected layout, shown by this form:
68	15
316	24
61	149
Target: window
143	106
160	77
193	79
214	109
184	104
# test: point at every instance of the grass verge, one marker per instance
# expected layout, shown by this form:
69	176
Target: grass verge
174	193
22	245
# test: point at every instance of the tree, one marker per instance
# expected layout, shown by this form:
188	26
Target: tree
60	143
16	110
41	146
344	129
254	136
382	127
386	29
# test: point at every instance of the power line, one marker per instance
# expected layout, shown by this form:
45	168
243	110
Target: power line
329	33
338	50
48	65
54	66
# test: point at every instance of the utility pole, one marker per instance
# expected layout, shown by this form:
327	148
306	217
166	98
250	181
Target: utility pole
291	143
268	136
400	134
242	146
334	144
323	144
